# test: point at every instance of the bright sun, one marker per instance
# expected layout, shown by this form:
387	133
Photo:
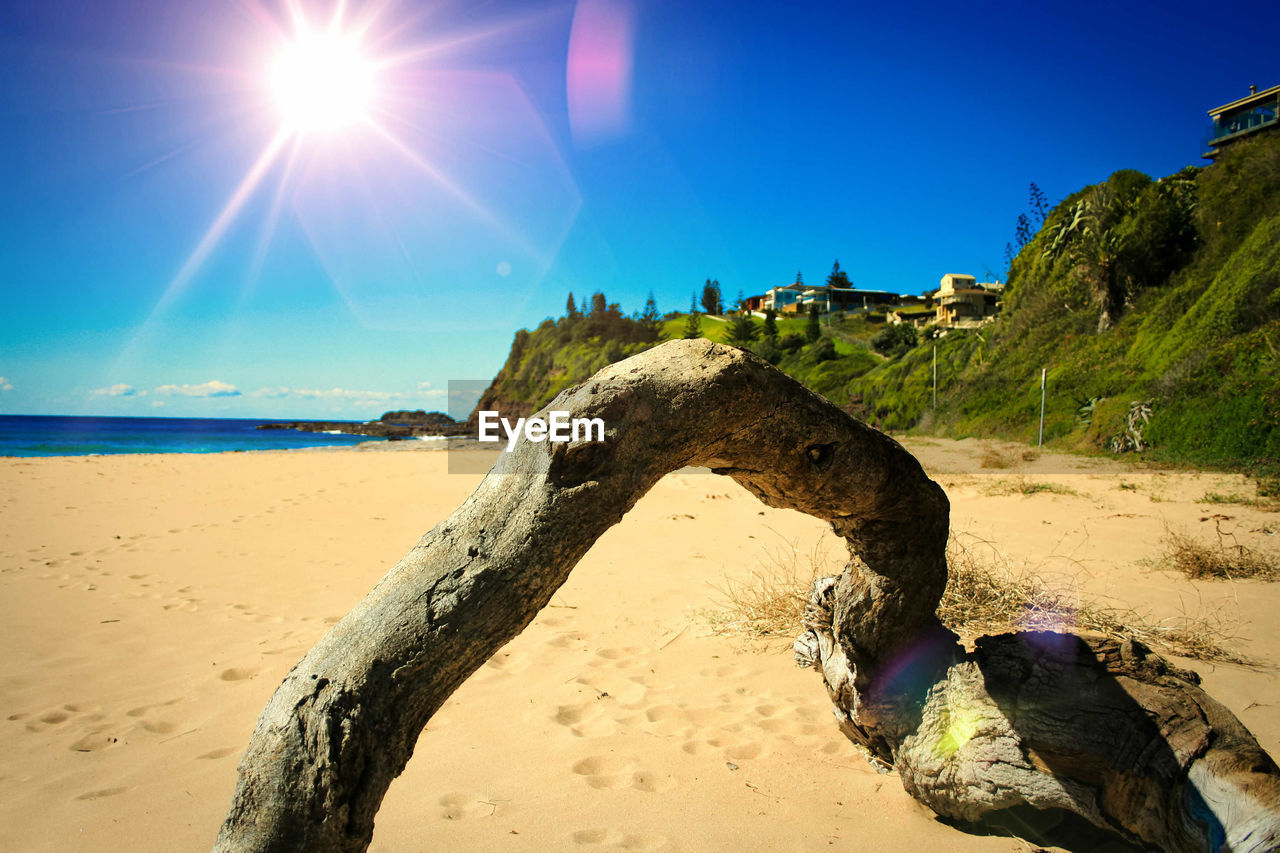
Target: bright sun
322	83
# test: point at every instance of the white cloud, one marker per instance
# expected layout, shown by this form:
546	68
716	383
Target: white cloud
212	388
350	395
425	391
347	394
120	389
5	384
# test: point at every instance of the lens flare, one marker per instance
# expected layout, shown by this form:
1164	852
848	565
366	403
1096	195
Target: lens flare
322	83
965	721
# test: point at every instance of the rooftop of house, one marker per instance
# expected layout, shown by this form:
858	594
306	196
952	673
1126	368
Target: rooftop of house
1253	99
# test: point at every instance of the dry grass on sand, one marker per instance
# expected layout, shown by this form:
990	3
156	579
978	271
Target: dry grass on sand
986	594
1227	559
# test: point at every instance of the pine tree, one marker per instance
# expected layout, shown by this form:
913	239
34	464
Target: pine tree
838	277
770	324
799	277
571	309
711	297
742	330
812	330
598	306
650	321
693	324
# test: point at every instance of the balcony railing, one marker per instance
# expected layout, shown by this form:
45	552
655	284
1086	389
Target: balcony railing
1226	127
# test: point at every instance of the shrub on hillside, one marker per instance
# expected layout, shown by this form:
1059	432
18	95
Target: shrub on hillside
894	340
791	342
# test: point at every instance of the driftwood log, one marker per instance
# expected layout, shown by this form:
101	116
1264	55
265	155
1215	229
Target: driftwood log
1048	720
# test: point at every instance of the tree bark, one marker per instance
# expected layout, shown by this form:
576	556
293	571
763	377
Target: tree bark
344	722
1101	728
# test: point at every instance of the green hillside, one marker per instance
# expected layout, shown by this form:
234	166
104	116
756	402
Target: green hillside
1162	293
1154	306
567	350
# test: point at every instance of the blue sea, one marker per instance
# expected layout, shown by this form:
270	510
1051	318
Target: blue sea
50	435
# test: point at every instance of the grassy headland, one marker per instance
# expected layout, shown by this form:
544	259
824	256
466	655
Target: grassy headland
1154	305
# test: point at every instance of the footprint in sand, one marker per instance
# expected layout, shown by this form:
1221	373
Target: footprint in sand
58	716
95	741
728	745
585	720
607	837
612	771
727	670
745	750
242	673
668	720
158	727
652	682
506	662
622	690
606	771
566	641
614	657
461	805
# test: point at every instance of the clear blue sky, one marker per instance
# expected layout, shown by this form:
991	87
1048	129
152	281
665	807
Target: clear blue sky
167	249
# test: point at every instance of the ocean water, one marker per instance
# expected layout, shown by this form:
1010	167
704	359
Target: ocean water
50	435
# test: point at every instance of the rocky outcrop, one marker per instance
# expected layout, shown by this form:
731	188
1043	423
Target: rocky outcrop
391	426
492	400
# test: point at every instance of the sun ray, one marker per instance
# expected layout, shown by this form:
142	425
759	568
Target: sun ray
224	219
267	233
151	164
335	24
395	132
463	39
487	216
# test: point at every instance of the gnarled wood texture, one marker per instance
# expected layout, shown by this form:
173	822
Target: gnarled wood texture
344	722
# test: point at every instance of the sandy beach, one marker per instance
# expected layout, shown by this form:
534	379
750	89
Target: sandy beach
149	606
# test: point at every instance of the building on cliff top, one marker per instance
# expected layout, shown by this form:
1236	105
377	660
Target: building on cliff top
1243	118
963	302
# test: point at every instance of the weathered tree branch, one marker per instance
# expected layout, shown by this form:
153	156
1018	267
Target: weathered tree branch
344	722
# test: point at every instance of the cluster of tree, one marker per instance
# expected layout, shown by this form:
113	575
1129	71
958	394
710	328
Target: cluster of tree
711	301
1104	244
1124	235
895	340
604	319
764	340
